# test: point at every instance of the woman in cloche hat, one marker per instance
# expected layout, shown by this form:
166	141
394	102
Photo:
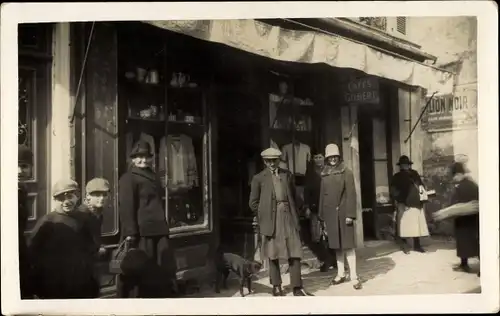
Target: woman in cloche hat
406	188
337	209
144	225
61	248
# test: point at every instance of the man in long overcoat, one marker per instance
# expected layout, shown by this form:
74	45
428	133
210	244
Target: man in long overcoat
338	211
466	227
272	198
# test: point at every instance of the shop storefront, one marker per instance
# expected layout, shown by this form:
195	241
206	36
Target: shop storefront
34	86
209	96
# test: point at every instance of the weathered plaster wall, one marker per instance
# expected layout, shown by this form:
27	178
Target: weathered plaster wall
454	41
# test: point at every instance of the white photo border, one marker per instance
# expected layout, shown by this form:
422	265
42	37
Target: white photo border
486	12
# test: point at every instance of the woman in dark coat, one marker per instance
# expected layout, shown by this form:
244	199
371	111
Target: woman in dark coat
311	200
144	224
337	208
410	215
466	227
62	248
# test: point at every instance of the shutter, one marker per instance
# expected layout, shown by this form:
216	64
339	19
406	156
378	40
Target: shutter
101	118
401	24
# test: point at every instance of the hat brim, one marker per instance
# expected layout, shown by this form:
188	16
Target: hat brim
405	163
65	191
149	155
270	157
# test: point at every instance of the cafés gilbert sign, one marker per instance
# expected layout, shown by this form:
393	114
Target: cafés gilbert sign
451	111
362	90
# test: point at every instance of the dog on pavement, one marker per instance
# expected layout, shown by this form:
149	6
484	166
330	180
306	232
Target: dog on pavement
243	268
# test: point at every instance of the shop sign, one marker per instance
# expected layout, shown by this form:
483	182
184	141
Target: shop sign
363	90
452	111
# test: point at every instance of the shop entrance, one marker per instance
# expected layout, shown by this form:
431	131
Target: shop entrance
239	148
374	165
365	127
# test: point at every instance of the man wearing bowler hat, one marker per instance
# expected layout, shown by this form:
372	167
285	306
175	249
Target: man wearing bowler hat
273	199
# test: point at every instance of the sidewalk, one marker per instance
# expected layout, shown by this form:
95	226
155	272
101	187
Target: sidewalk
385	271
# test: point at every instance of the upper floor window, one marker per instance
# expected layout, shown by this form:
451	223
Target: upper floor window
376	22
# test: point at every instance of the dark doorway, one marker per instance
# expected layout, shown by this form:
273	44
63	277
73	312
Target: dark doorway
365	132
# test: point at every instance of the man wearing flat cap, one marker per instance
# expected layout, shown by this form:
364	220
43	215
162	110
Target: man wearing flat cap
273	199
61	248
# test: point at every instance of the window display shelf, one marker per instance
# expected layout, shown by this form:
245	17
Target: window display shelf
147	119
195	123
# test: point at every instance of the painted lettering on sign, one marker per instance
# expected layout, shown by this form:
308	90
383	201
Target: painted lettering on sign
452	111
362	90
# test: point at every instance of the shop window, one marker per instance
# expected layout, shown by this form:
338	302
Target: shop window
164	104
291	130
34	38
26	122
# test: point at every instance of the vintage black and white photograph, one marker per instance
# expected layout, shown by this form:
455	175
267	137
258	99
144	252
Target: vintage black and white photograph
253	157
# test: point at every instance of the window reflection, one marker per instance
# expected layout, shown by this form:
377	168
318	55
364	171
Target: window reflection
184	149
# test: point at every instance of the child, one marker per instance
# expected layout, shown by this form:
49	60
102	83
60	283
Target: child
96	197
61	248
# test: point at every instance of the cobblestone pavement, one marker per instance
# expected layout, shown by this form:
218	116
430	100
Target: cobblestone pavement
385	271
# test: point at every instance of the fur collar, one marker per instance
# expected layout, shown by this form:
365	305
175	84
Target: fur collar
329	170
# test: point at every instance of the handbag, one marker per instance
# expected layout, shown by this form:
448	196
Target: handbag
315	228
423	193
117	257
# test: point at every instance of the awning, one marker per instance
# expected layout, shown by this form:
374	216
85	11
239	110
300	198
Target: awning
311	47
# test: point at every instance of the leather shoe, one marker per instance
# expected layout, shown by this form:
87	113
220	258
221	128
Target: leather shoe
277	291
420	249
298	292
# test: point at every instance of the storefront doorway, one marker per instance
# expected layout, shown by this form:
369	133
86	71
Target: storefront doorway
35	57
375	155
239	129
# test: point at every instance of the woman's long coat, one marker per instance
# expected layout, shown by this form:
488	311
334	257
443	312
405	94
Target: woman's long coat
142	215
338	202
466	227
142	211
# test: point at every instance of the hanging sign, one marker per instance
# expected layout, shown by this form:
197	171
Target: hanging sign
451	111
362	90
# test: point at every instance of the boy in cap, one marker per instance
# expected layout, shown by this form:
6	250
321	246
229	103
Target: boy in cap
61	248
96	197
273	199
24	167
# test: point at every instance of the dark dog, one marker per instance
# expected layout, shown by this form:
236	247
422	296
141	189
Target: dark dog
245	269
